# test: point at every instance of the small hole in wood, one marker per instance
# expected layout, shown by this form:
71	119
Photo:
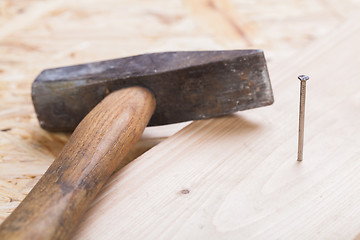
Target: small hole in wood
185	191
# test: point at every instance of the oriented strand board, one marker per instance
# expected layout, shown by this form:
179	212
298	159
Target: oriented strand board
38	34
237	177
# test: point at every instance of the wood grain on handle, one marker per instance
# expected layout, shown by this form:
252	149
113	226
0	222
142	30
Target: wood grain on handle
55	205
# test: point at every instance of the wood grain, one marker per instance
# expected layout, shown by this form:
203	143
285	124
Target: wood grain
37	34
237	177
56	204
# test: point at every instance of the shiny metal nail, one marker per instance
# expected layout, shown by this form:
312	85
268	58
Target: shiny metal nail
303	79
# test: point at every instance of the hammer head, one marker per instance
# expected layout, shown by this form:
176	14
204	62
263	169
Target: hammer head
186	85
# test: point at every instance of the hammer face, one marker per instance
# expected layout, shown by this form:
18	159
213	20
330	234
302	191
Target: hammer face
186	85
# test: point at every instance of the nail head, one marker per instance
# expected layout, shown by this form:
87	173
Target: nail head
303	77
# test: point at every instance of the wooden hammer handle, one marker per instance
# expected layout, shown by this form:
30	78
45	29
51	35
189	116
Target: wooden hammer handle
55	205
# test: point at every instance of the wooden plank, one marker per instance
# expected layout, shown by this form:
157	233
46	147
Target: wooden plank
37	34
237	177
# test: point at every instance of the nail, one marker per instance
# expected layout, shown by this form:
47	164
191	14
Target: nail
303	79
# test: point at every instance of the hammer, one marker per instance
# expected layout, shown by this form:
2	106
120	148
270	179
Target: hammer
108	104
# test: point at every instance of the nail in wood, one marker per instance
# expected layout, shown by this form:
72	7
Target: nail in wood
303	79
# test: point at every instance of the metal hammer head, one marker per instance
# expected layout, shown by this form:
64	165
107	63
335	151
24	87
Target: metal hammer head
186	85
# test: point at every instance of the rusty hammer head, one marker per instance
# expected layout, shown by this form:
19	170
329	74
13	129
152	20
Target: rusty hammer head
186	85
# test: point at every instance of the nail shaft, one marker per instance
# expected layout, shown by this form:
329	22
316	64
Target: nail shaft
303	79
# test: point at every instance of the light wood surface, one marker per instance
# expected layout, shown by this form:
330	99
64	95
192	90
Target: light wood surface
36	34
238	177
